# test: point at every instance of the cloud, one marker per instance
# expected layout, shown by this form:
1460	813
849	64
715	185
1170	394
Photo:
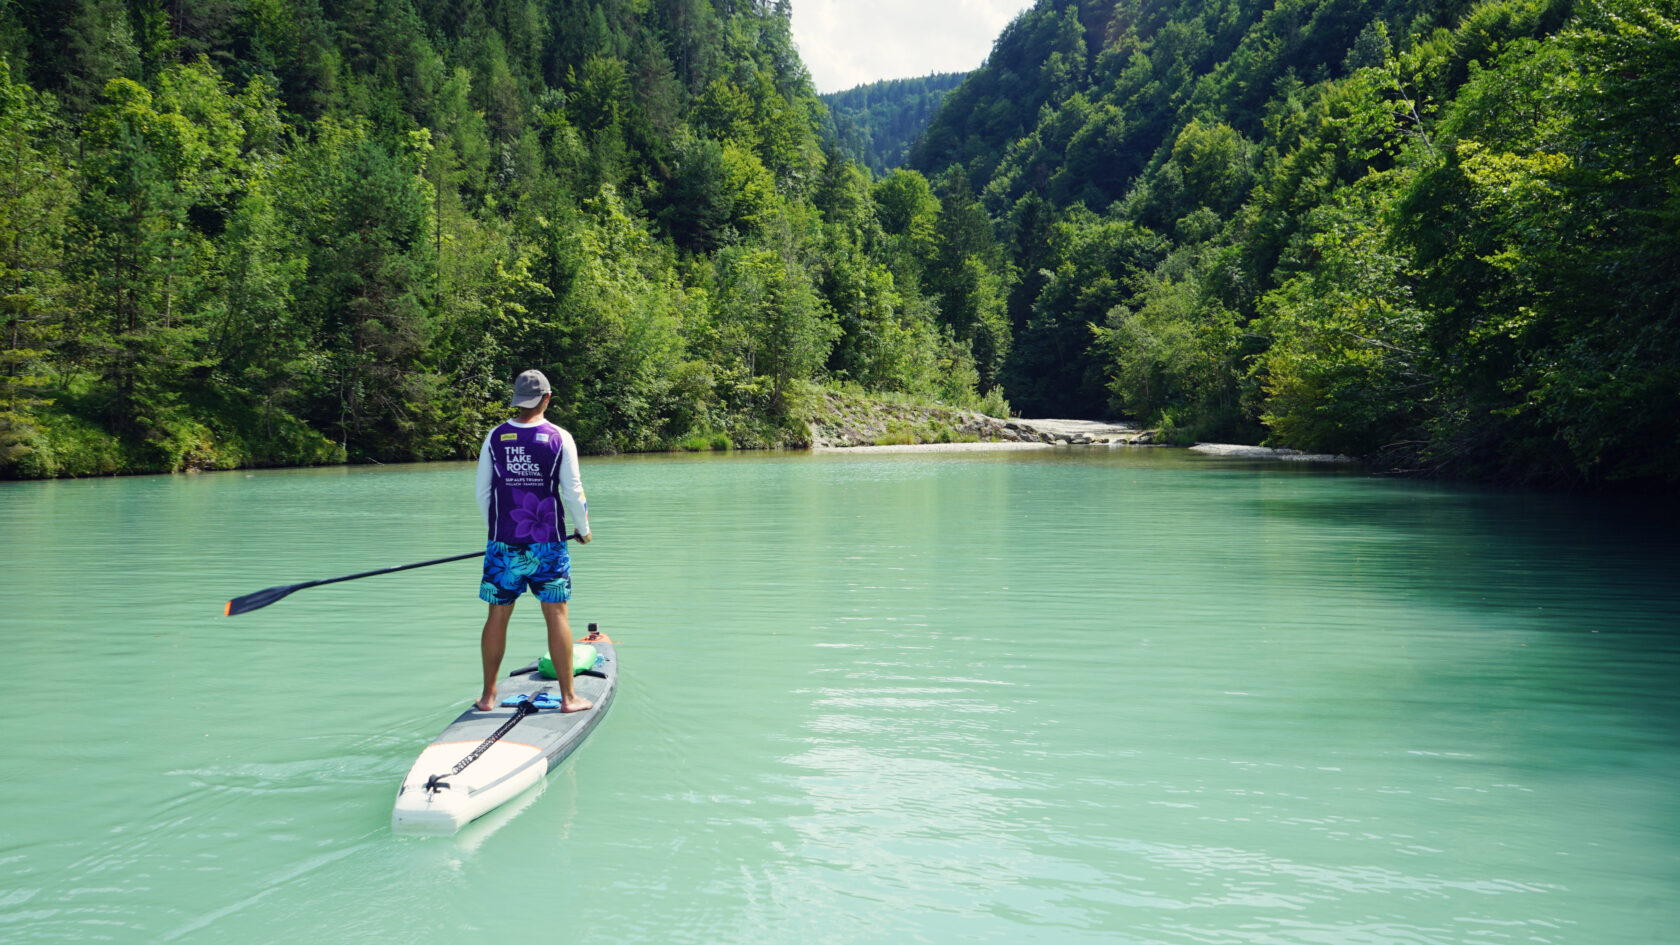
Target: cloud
851	42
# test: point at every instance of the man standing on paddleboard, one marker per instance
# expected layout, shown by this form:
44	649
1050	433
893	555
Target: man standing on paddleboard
531	494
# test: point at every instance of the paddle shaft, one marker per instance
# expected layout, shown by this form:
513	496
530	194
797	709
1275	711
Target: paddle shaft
250	602
400	567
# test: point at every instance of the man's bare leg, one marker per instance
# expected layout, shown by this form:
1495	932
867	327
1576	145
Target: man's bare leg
560	650
492	644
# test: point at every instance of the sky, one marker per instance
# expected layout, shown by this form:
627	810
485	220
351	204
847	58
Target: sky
846	43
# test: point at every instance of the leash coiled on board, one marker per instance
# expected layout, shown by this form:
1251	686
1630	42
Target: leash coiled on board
435	783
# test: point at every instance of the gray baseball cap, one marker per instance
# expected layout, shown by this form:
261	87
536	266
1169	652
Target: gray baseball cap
529	388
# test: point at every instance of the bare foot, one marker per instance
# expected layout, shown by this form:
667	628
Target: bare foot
576	704
485	703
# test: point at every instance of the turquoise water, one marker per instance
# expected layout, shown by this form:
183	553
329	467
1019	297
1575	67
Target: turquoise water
1118	697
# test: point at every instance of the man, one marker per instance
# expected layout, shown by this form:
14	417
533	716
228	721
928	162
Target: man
531	493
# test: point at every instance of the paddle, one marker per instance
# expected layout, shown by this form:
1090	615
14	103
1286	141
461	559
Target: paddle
262	598
250	602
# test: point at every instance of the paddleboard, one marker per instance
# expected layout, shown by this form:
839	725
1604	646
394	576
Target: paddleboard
485	759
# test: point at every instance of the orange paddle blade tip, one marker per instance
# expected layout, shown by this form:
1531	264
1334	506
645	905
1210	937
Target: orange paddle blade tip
227	609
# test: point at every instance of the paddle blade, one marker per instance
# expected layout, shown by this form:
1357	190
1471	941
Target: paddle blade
250	602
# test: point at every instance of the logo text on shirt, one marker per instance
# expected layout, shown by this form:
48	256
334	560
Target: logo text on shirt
520	464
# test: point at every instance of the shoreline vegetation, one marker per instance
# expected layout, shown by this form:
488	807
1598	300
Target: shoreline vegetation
821	419
836	421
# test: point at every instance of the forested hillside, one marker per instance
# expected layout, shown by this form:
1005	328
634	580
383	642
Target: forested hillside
246	232
877	124
1440	234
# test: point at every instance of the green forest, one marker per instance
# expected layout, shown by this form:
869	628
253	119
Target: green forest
274	232
878	124
1438	235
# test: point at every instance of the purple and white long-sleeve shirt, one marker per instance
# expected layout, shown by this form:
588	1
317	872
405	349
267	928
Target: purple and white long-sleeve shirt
528	484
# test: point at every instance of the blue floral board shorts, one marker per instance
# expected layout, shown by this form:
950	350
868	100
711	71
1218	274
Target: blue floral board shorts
544	567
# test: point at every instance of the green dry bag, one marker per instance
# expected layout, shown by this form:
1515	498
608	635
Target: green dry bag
583	657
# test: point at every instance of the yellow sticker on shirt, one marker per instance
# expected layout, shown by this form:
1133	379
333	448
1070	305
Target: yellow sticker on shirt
509	436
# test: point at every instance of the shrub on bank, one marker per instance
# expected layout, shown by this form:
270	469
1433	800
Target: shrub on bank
703	441
50	444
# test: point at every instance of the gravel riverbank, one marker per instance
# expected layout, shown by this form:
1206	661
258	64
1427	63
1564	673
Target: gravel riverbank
849	423
856	424
1265	452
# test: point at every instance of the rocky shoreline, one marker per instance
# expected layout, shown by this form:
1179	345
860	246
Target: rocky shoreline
1266	452
853	423
857	424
